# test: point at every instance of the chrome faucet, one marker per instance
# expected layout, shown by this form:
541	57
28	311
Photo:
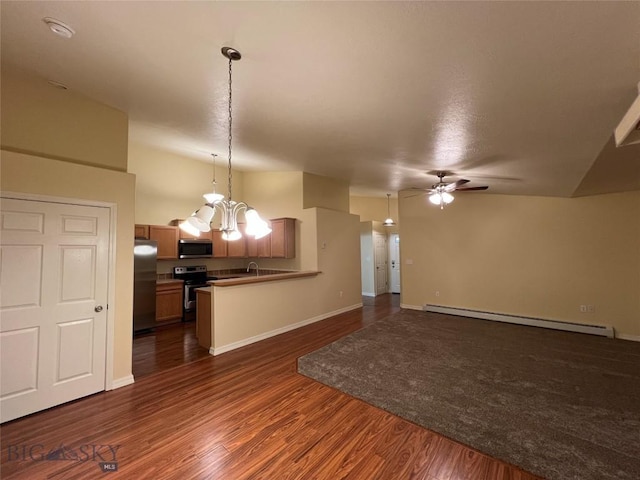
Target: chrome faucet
257	269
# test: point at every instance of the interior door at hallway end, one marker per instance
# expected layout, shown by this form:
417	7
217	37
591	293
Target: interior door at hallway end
53	281
380	254
394	262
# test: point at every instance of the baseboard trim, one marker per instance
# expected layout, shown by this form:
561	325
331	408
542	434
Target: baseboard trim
411	307
278	331
122	382
601	330
624	336
368	294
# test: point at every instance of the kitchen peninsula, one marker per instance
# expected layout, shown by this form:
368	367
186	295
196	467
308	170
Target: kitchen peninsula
241	310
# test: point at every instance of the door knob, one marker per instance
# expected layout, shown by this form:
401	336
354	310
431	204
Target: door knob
98	308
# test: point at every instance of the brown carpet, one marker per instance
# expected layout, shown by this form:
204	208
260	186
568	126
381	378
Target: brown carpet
560	405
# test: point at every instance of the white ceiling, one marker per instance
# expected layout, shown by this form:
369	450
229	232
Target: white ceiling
520	96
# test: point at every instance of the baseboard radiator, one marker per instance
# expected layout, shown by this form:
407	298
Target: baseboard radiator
603	331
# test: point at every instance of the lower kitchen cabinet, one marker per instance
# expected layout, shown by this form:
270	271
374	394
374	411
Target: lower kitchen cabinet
203	317
169	299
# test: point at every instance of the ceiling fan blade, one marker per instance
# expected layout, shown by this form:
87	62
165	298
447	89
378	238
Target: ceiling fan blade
454	186
468	189
416	194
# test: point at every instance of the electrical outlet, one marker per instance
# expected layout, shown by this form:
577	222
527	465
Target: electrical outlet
340	293
583	309
591	308
437	293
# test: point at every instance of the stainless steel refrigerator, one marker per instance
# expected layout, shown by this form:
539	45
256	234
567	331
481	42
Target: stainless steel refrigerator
145	253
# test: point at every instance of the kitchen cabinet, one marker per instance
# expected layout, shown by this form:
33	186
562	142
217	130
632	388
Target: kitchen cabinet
281	243
263	246
203	317
224	249
238	248
252	247
169	300
219	245
283	238
141	231
167	238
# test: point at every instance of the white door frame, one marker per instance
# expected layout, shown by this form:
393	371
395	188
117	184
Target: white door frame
111	281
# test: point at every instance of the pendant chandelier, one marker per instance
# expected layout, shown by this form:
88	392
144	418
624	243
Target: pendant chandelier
229	209
389	221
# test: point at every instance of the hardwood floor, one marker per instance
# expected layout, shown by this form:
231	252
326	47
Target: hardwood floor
167	347
246	414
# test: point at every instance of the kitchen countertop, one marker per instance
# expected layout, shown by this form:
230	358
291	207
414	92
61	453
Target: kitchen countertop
169	280
242	279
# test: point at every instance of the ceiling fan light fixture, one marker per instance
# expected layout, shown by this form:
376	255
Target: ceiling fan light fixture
447	197
436	199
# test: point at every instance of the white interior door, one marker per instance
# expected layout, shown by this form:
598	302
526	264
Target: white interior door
380	253
53	301
394	261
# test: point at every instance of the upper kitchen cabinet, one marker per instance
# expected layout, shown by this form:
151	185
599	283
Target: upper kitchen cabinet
141	231
238	248
219	245
167	238
283	239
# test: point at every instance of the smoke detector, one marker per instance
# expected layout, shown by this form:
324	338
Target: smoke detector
59	28
628	130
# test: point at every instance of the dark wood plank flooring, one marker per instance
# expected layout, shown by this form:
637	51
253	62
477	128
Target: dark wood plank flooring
246	414
166	347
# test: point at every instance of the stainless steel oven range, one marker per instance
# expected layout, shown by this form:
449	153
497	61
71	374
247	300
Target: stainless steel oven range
194	277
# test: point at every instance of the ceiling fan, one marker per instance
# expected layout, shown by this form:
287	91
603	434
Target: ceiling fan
440	193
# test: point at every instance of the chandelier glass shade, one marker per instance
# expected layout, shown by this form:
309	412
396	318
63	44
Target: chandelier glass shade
200	221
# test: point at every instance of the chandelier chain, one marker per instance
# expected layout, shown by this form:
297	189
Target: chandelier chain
214	168
230	124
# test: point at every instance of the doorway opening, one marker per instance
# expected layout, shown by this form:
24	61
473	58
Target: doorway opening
394	262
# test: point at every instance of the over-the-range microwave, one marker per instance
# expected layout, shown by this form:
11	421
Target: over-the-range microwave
195	249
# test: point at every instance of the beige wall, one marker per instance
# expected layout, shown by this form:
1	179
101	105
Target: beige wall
274	194
45	121
35	175
282	305
325	192
338	241
530	256
367	259
59	143
170	186
375	209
